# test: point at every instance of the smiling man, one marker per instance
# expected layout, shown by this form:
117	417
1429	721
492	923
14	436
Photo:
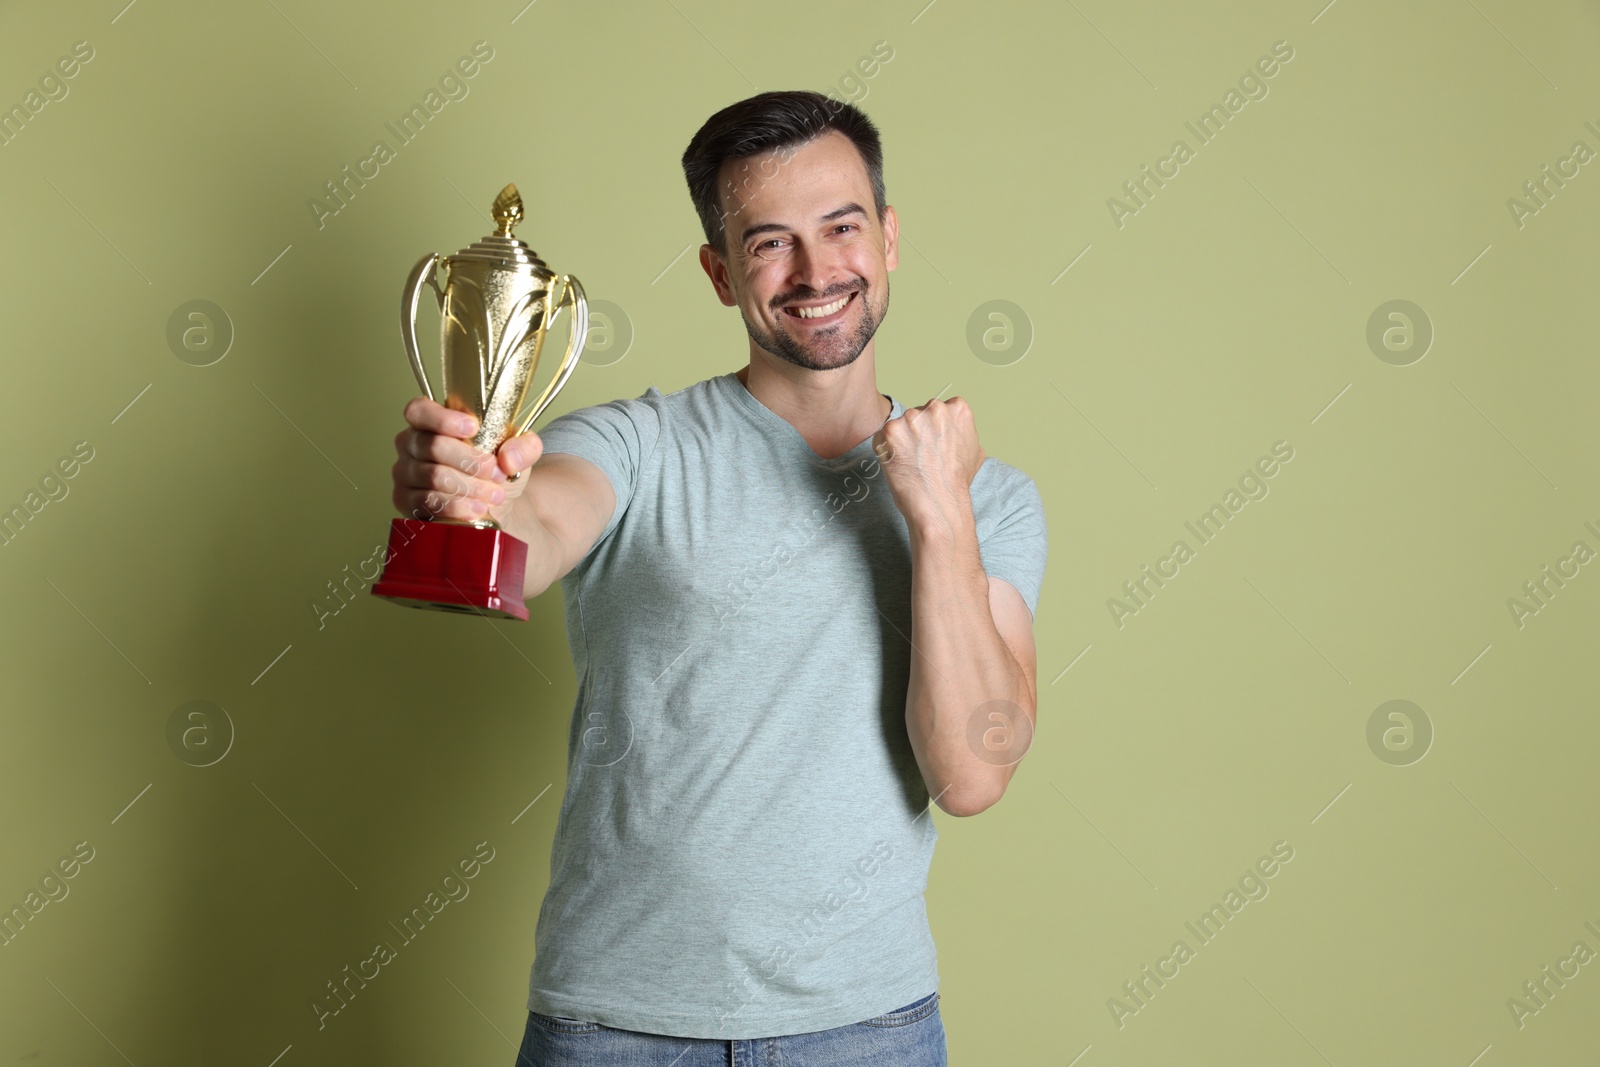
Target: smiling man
798	613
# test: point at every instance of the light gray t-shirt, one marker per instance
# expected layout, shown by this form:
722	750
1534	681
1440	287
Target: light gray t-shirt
744	842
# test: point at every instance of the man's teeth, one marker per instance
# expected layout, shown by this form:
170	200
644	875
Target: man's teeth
824	310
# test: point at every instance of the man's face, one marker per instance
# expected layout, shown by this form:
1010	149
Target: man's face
802	234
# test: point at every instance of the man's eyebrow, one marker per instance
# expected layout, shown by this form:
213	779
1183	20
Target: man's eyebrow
768	227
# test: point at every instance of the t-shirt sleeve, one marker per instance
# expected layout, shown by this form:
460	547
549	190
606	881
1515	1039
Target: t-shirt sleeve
1014	546
617	436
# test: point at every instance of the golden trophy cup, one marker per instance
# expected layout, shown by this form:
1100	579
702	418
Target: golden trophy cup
498	301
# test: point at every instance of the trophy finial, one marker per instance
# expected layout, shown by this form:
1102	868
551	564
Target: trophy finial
507	210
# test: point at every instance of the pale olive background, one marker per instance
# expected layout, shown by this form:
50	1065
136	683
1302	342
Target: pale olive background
1229	314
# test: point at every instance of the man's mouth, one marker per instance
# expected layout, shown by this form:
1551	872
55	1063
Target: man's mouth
819	312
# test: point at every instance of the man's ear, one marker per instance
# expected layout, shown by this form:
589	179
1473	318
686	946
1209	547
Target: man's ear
891	238
717	271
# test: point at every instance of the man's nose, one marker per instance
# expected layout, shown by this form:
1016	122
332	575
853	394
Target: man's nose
814	268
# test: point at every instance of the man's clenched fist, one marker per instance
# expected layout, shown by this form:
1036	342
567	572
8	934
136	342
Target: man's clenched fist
930	456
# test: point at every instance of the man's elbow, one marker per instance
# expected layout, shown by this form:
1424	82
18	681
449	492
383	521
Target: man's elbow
965	803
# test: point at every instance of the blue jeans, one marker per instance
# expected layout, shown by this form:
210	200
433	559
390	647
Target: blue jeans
912	1036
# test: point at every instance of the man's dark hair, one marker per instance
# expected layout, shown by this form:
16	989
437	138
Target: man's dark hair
762	123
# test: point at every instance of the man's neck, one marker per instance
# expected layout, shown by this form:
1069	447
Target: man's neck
833	410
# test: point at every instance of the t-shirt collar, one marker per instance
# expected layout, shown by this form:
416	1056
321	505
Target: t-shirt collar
777	424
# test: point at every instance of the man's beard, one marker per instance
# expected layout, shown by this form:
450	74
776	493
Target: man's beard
826	351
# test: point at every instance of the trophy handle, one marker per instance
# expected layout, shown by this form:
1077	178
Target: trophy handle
571	293
422	274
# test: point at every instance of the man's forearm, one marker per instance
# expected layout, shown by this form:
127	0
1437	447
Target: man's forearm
545	550
959	662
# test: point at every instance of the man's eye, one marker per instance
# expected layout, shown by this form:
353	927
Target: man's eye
844	226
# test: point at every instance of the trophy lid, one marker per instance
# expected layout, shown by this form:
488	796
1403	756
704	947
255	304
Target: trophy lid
501	248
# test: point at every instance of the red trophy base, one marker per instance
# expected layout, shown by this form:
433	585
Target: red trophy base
451	566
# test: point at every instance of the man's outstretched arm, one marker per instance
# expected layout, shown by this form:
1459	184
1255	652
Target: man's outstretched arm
558	505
